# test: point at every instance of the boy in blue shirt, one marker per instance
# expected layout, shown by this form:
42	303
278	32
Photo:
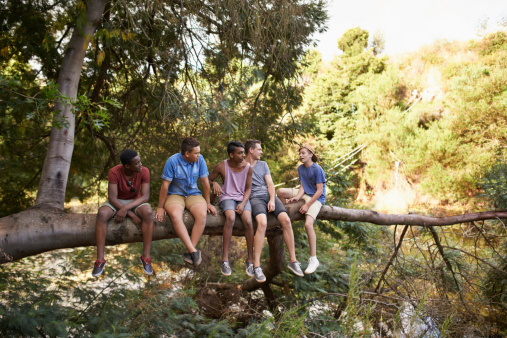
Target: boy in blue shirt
179	191
313	191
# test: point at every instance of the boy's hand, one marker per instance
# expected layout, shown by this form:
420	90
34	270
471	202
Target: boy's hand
136	220
271	206
304	209
217	189
160	214
292	200
120	215
239	208
212	209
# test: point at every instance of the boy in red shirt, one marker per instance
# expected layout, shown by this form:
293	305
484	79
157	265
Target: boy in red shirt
128	195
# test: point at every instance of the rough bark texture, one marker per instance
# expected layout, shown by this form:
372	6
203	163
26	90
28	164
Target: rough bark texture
55	171
273	266
38	229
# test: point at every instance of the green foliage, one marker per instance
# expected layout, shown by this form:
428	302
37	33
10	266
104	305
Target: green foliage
232	74
353	41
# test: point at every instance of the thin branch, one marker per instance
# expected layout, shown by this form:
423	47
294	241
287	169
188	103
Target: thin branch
377	289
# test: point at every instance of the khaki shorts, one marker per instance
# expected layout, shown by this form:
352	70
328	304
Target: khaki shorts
186	202
125	202
314	209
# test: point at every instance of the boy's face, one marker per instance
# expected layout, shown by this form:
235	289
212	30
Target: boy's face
238	155
135	165
305	155
257	152
193	156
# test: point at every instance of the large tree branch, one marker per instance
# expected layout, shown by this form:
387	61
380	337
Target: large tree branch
38	229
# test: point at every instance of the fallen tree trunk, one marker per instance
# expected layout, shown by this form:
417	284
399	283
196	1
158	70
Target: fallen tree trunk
39	229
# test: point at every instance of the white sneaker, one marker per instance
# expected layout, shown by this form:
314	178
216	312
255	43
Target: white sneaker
313	264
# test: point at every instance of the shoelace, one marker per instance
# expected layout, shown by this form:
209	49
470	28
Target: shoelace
147	260
97	263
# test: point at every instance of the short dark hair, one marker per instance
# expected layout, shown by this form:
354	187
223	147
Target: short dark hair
127	155
188	144
251	144
231	146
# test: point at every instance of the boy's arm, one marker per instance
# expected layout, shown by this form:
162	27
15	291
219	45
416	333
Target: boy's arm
161	200
271	192
144	198
248	191
206	192
123	210
318	193
219	169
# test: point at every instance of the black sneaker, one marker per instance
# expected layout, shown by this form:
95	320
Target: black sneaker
187	257
146	265
98	268
259	275
196	258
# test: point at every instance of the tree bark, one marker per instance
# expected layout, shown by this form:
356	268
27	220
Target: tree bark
55	171
41	229
273	266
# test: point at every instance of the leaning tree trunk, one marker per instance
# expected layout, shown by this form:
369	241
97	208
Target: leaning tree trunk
55	172
38	230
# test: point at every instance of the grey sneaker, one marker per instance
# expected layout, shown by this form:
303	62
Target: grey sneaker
296	268
196	258
249	268
226	269
259	275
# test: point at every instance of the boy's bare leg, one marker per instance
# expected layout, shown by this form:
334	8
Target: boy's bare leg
312	239
288	235
199	211
146	215
230	217
175	211
260	234
104	214
284	194
246	217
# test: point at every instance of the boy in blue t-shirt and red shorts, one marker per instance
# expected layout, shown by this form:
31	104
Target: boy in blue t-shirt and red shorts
313	191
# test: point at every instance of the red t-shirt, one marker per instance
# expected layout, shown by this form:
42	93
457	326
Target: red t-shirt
117	176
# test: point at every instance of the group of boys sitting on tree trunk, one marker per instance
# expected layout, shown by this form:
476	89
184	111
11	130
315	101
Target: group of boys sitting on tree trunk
247	190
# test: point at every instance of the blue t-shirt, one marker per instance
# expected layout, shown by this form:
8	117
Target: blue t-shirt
309	178
183	175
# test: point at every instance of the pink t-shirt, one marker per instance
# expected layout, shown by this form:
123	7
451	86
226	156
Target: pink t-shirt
117	176
234	184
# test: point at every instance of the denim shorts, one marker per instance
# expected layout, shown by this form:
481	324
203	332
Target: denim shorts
232	204
260	205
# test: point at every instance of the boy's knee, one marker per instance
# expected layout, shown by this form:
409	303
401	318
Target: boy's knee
104	214
309	222
261	227
145	212
284	220
248	225
229	220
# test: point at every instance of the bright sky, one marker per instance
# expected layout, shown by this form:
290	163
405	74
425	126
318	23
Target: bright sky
409	24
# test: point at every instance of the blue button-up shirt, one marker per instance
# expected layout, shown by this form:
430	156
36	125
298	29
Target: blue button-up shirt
183	175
